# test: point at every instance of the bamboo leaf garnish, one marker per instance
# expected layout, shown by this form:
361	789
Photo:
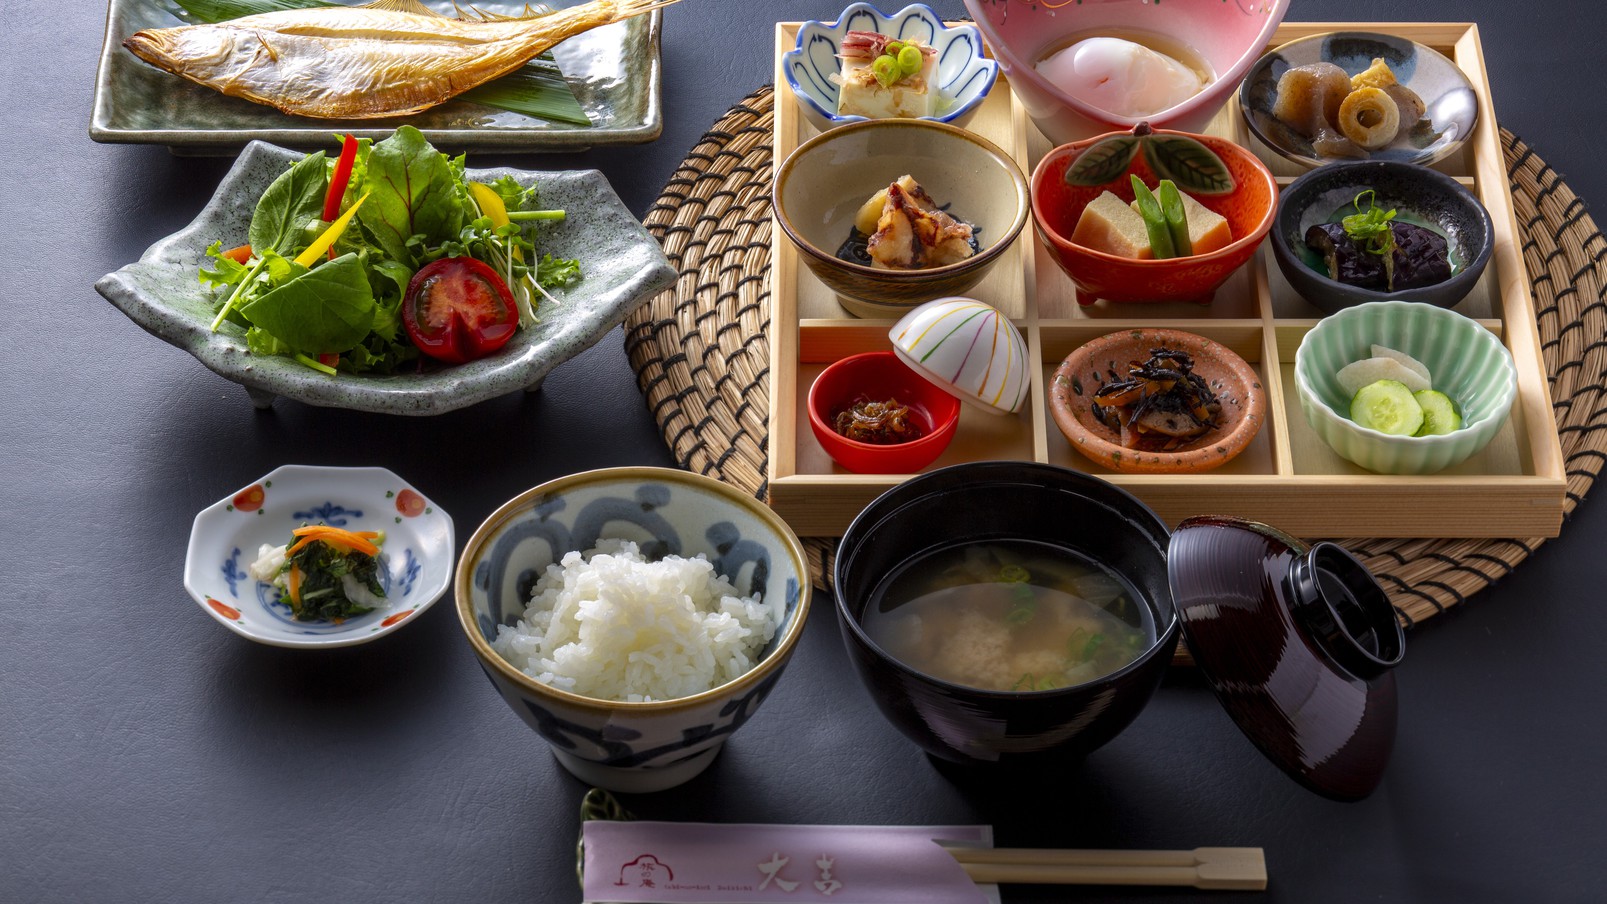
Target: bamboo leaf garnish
1189	163
1103	161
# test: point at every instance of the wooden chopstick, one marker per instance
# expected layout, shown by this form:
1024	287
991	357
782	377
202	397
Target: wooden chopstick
1243	869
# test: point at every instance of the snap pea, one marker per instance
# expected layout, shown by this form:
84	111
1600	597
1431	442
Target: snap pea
1160	237
1176	220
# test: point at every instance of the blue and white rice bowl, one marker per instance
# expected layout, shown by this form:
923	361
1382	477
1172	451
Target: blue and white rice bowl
633	747
415	558
964	74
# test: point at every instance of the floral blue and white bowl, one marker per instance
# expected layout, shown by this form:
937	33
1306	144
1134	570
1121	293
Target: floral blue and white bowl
416	555
627	746
964	74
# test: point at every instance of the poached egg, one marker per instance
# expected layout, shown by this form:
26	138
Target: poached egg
1121	76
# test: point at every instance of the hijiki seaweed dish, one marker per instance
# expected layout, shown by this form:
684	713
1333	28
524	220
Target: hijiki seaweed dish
1159	405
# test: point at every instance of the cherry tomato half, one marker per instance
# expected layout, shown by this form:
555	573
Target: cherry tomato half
458	309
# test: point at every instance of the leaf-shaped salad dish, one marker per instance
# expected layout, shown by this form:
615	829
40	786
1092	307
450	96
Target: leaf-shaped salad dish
622	267
614	71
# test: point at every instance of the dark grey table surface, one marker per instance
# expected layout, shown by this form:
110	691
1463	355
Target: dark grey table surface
146	754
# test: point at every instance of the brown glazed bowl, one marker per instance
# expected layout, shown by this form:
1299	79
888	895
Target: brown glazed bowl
981	501
823	183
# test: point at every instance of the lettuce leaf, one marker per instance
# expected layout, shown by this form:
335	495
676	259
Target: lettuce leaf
290	203
415	198
328	309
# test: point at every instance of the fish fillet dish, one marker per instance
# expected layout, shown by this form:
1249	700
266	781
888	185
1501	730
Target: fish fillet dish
387	58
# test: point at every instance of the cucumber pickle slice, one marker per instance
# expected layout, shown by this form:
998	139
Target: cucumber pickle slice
1388	407
1439	413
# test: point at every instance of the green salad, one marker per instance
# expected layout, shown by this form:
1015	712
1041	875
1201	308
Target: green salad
384	260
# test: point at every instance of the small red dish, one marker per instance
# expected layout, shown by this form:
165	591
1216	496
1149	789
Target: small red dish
880	376
1056	207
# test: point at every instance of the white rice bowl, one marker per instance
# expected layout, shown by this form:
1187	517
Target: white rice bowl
610	625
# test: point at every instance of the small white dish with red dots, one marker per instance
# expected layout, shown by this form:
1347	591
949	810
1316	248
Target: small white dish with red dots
416	552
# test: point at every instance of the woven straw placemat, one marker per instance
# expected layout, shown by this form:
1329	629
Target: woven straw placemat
701	350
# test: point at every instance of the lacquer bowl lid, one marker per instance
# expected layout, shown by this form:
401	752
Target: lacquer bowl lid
1297	642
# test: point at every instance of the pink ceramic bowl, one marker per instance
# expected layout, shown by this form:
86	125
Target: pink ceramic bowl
1249	209
1229	35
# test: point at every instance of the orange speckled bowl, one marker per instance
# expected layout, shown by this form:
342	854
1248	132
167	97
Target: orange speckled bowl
1249	210
1237	387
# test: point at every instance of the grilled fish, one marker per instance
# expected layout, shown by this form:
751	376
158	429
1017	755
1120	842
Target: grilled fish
387	58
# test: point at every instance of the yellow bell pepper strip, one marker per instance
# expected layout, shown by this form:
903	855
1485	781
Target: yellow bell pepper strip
490	203
327	240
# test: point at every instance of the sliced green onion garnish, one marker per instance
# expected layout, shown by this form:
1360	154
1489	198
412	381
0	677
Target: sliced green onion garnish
909	60
885	68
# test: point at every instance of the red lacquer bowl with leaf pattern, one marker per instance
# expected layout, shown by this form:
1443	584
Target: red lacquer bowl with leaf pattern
1249	205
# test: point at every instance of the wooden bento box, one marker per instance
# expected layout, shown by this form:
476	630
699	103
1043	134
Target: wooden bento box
1287	477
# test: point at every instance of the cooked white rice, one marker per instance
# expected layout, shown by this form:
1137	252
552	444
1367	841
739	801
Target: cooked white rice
609	624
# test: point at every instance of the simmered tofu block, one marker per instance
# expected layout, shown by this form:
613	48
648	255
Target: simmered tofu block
882	78
1108	224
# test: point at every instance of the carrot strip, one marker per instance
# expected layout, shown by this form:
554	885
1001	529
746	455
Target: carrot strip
325	528
240	254
338	543
293	585
334	536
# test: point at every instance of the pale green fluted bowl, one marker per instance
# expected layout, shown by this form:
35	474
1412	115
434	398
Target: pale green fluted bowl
1467	362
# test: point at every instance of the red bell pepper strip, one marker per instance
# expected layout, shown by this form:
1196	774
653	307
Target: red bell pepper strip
338	181
339	178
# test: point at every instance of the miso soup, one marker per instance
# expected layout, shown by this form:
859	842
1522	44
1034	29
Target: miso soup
1009	615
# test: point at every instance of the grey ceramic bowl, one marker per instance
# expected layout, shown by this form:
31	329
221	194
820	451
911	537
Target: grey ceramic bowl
1452	107
820	186
634	747
1418	192
623	267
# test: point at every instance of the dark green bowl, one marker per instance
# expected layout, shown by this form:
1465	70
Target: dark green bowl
1421	194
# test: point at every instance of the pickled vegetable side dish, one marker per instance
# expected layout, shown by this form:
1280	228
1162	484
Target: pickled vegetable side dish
324	572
